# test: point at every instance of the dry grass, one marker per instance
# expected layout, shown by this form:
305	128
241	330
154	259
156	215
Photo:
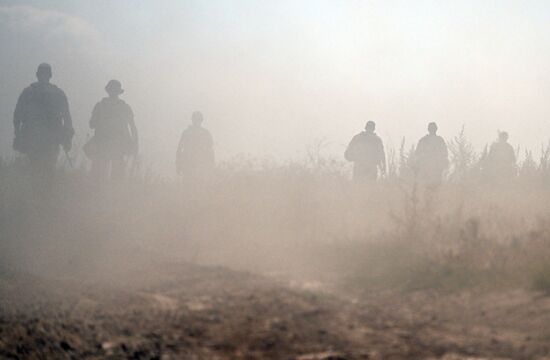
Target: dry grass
300	218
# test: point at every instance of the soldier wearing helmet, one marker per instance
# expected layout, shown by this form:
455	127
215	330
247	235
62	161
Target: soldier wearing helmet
115	134
42	122
366	151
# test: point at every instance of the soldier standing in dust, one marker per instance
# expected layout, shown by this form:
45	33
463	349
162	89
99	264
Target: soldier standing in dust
195	154
501	160
432	157
42	122
366	151
115	134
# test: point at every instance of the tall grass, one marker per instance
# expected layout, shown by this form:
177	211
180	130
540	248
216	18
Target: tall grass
304	218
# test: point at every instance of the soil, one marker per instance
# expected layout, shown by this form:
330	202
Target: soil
175	311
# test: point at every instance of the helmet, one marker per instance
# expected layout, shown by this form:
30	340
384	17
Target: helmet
114	87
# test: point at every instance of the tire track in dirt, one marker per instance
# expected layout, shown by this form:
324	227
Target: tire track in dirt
207	313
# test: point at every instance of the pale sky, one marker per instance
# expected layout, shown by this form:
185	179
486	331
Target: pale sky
272	77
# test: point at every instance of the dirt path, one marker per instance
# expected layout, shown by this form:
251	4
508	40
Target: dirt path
196	312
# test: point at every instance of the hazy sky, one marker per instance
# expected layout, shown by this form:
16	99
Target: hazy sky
272	77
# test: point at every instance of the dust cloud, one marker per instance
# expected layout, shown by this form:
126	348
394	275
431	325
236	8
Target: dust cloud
298	72
290	244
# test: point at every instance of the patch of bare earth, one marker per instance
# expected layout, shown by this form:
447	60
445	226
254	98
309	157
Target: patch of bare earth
192	312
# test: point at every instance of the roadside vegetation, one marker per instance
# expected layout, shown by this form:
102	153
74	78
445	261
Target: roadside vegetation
304	219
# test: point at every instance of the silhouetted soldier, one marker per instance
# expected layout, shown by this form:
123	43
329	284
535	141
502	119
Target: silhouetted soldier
42	122
115	134
195	154
366	151
432	157
501	160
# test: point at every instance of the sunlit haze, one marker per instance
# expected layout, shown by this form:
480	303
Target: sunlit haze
275	77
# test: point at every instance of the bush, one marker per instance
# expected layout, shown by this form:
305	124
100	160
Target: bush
298	217
541	280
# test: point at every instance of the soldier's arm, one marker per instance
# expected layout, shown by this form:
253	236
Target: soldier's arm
68	130
181	143
349	154
66	114
18	114
95	117
419	148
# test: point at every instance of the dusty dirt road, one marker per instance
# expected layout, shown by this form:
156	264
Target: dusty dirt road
194	312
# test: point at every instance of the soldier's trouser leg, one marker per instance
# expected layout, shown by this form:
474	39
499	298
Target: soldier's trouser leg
118	167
